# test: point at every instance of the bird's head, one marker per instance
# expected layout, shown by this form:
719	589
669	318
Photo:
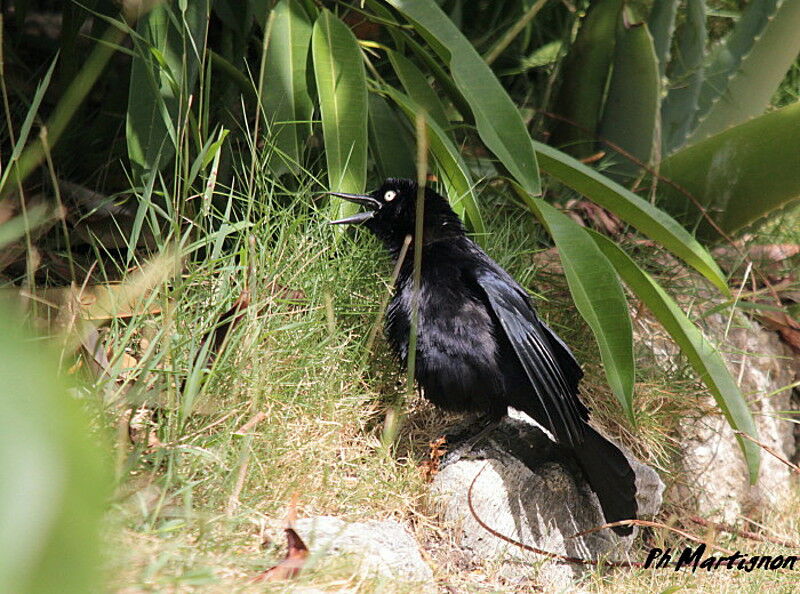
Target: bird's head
391	213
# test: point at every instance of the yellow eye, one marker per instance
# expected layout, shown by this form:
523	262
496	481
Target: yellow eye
389	196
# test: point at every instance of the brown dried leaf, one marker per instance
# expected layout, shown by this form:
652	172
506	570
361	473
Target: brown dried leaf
281	292
291	565
783	324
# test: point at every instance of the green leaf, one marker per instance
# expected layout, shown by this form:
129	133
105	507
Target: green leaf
13	229
598	296
390	143
342	88
726	56
163	75
679	107
417	87
444	80
632	209
630	117
704	358
286	101
739	176
499	123
542	56
661	24
450	165
753	83
55	483
584	79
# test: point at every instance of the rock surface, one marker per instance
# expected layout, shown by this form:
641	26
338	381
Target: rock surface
384	548
542	507
711	464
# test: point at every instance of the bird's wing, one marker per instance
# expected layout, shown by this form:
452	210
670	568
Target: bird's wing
549	365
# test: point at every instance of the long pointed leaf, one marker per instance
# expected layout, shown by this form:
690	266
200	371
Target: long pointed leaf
342	89
417	87
161	81
598	296
391	145
632	209
499	124
449	163
704	358
287	104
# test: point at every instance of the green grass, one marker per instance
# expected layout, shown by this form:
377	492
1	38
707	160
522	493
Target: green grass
192	513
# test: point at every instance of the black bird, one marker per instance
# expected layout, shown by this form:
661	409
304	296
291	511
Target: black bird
481	347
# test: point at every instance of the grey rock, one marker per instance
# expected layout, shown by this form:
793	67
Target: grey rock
542	508
711	465
384	548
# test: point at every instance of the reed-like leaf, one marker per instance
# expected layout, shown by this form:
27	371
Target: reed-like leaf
704	358
170	47
632	209
598	295
499	123
342	89
286	102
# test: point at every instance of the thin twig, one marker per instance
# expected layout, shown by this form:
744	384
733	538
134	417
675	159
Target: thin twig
744	533
794	467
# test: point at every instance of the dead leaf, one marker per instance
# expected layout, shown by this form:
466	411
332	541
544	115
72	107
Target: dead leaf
593	158
291	565
281	292
783	324
142	429
296	554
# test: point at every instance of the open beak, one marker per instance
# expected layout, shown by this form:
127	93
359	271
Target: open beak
359	217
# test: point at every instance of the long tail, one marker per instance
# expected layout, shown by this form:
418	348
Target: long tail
610	476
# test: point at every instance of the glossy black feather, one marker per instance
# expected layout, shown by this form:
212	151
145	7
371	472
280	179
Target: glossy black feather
481	346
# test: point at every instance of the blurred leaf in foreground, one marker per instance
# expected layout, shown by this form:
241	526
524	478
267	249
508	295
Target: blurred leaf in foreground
53	485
